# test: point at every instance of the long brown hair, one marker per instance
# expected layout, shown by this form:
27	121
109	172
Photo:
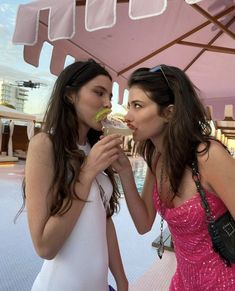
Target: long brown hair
61	124
188	126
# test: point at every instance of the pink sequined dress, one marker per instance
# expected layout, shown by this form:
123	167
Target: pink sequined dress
199	268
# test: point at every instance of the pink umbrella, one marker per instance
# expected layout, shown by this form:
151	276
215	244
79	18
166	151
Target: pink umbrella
124	35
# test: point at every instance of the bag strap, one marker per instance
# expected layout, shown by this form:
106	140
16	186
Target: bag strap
205	204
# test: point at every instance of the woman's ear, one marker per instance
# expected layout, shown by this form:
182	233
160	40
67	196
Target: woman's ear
69	97
168	111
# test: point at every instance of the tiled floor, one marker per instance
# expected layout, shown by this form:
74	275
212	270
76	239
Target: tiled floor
18	262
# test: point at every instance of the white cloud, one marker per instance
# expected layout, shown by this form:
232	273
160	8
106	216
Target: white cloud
12	65
12	74
12	21
4	7
37	100
3	31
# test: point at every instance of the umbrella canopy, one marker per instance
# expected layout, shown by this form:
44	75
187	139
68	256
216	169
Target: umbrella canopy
9	113
198	38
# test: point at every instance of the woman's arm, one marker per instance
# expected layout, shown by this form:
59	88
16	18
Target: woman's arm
115	261
141	207
218	170
50	232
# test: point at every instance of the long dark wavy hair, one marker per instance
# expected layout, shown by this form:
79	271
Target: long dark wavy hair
61	124
188	126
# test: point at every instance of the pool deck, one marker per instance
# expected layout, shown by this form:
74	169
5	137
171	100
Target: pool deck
19	264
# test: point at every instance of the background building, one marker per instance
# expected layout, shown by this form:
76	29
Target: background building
11	94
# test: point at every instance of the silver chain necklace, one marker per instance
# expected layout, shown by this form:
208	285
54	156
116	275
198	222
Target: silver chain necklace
161	248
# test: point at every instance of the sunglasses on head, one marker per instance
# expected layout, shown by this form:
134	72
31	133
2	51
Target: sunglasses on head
160	69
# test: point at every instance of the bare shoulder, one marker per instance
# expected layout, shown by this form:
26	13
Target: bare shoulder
217	168
215	149
40	147
41	141
215	154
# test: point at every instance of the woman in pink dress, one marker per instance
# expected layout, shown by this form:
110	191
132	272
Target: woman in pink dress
169	121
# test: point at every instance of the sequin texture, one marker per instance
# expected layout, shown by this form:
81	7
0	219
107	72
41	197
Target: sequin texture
199	268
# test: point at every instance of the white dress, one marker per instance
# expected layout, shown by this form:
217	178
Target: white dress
82	263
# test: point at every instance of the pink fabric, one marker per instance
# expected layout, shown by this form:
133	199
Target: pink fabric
138	8
145	41
61	24
199	268
192	1
100	14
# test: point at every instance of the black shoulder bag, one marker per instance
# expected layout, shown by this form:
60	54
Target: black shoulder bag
221	230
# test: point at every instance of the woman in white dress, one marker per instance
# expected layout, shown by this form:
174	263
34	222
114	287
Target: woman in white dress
70	190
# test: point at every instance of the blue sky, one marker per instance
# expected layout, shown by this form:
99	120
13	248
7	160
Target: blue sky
13	67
